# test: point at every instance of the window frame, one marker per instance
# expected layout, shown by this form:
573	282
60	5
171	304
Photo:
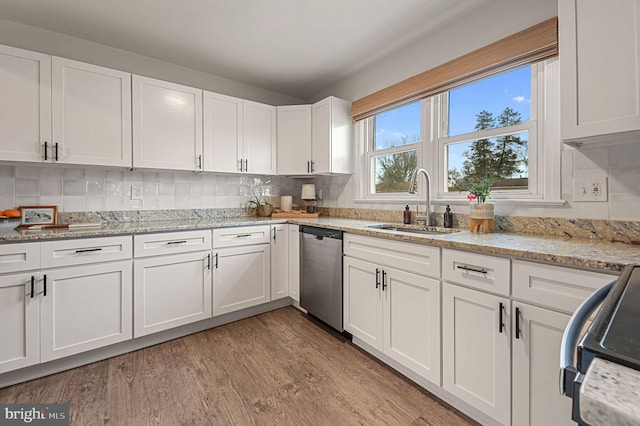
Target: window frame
543	127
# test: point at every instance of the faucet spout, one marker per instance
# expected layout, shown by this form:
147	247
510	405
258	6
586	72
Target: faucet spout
413	188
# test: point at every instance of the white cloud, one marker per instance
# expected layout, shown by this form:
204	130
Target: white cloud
519	99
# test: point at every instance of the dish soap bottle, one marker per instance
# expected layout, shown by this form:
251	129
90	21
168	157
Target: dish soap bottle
448	218
407	215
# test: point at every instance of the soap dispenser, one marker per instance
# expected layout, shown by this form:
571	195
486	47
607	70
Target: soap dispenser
407	215
448	218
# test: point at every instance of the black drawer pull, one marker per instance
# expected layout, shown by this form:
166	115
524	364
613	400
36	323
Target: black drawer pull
33	279
243	235
44	287
384	280
517	323
470	269
501	325
46	148
177	242
56	151
216	261
89	250
209	261
377	277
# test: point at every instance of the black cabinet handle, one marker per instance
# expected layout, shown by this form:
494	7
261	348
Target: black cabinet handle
177	242
216	261
209	261
470	269
33	279
241	168
274	234
517	322
89	250
501	325
246	165
377	278
384	280
312	170
308	166
46	149
200	161
56	151
243	235
44	286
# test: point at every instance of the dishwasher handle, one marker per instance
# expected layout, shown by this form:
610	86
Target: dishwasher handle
571	336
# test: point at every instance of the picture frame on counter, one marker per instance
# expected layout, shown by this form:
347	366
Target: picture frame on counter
38	215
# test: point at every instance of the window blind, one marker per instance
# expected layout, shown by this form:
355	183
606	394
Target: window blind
525	47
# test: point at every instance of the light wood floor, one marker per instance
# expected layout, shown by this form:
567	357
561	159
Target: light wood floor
275	368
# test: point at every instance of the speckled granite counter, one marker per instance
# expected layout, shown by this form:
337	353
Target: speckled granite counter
609	394
583	253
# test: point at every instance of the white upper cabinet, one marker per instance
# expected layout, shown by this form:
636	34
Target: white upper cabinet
239	135
259	138
332	130
294	140
167	125
222	132
25	104
91	121
600	75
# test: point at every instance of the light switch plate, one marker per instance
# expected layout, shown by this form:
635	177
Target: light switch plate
136	192
593	189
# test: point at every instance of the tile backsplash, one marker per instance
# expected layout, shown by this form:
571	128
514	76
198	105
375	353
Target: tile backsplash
97	189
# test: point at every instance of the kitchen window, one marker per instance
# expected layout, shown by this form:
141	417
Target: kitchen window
488	127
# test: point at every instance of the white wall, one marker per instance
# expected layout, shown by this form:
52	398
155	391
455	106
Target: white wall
486	23
52	43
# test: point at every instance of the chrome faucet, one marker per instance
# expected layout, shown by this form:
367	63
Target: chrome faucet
413	188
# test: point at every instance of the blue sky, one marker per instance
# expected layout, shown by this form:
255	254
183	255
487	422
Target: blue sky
494	94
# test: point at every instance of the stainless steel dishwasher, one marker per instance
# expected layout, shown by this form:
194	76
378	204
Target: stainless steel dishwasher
321	274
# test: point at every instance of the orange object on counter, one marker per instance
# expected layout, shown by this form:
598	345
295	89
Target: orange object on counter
10	213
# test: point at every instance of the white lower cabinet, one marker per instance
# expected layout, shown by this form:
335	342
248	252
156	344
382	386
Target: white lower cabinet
395	312
171	291
294	262
279	261
20	321
241	277
84	308
476	348
536	347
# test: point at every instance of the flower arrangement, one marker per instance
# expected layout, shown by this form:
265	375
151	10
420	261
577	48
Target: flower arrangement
481	191
260	208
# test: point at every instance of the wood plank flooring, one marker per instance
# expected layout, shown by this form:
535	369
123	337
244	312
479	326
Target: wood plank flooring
275	368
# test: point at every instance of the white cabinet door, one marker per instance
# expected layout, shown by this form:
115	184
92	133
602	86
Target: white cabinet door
294	262
294	140
25	104
167	125
84	308
241	278
222	132
170	291
91	114
412	322
475	352
536	350
259	136
363	301
600	78
332	133
19	316
279	262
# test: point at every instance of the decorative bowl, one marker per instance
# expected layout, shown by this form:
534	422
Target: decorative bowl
9	223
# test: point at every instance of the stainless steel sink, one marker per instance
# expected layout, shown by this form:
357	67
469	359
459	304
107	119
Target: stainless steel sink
414	229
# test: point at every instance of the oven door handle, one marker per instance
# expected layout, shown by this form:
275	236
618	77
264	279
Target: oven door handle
571	336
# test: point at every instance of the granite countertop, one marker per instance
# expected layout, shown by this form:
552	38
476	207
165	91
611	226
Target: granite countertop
609	394
582	253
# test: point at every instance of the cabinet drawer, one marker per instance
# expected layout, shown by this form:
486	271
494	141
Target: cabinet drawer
479	271
90	250
416	258
245	235
171	243
19	257
555	286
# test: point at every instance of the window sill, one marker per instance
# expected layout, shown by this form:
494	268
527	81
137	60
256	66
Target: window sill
459	201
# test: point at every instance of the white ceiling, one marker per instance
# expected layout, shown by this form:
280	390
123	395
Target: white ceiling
294	47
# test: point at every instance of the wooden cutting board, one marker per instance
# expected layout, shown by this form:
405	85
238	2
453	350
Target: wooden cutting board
294	214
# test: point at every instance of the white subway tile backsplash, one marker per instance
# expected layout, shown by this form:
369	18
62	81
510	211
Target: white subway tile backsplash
95	203
73	203
627	155
94	188
73	188
7	172
50	187
27	201
624	180
72	174
591	210
624	206
591	158
27	187
28	172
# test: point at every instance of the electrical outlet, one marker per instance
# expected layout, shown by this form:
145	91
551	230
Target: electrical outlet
590	189
136	192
